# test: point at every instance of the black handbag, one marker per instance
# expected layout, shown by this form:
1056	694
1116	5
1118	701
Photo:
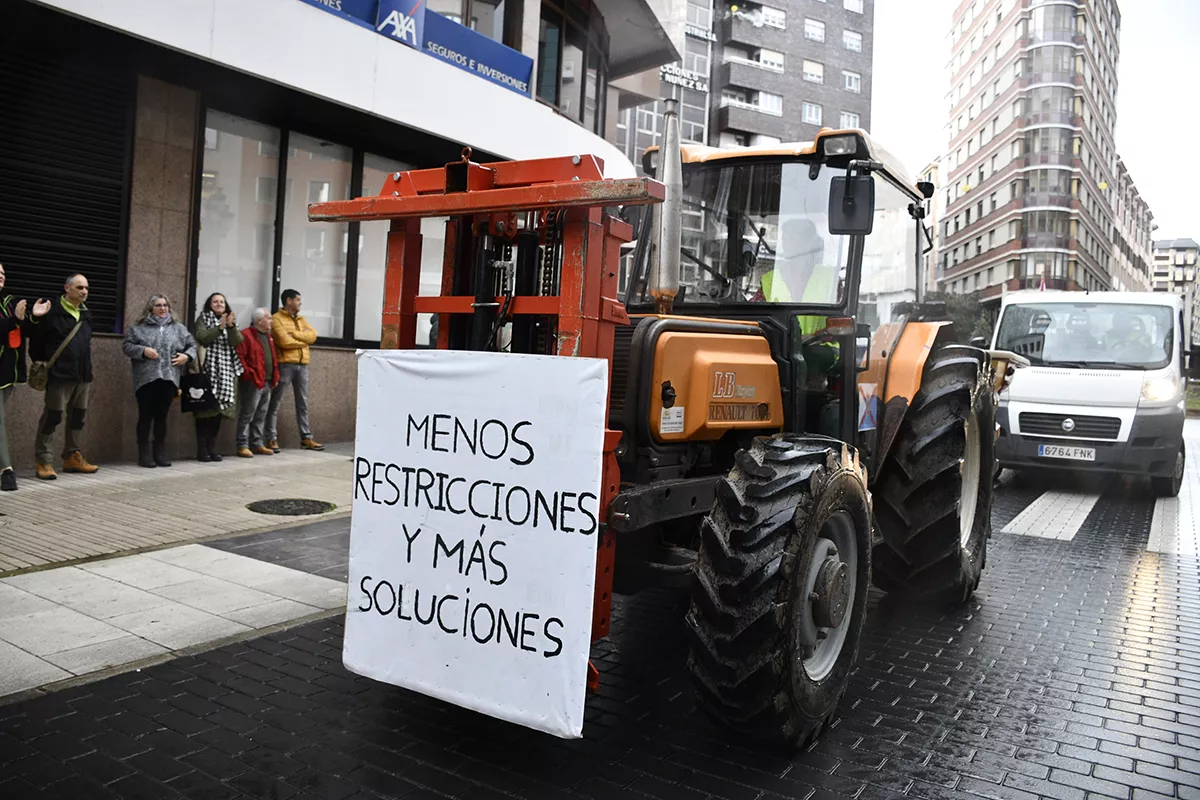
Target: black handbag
195	389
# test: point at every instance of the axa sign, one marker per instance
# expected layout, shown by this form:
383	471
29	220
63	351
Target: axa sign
402	20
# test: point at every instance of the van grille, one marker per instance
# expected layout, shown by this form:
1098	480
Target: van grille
1086	427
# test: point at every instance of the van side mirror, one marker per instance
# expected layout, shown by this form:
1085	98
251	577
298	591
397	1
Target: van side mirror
852	205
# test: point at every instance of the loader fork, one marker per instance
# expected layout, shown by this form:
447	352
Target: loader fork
546	219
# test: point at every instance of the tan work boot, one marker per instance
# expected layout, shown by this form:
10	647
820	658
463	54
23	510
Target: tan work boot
244	452
77	463
309	444
274	445
264	451
46	472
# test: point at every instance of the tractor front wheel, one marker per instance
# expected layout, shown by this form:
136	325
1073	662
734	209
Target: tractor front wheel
933	498
781	589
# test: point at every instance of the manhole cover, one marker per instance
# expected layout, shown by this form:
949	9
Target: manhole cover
290	507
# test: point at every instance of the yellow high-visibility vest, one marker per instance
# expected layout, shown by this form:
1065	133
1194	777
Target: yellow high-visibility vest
821	288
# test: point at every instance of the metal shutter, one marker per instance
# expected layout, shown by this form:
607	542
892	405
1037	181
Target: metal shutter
65	149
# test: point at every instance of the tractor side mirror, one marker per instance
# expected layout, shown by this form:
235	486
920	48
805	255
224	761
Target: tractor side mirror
852	205
862	347
979	341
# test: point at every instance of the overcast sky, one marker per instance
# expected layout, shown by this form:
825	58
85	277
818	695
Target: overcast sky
1158	100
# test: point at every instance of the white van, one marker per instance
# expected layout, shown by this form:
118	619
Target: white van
1105	390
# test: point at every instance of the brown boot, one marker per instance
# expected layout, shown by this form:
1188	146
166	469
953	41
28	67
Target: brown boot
263	450
46	472
244	452
77	463
274	445
309	444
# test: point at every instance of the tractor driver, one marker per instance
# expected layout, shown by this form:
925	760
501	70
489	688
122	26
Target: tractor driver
800	273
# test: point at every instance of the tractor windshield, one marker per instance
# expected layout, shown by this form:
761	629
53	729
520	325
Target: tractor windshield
755	232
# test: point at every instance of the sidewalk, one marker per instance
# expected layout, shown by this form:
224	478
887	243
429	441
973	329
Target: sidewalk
126	508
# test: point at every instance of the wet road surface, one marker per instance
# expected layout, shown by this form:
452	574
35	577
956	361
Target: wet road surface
1074	673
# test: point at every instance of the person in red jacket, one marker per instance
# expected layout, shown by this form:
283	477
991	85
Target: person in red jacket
260	376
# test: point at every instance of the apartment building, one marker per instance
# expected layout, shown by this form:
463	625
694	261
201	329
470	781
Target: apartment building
761	74
1031	167
1132	246
1175	271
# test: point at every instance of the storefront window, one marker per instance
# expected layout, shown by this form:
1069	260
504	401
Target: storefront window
372	258
549	43
314	253
237	213
487	17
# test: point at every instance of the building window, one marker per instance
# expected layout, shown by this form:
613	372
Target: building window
572	70
770	103
774	17
852	41
771	58
811	113
316	266
851	81
853	5
814	72
849	119
236	251
814	29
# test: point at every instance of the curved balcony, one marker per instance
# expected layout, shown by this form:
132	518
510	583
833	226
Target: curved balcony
1037	77
1043	199
1042	240
1057	159
1051	35
1065	118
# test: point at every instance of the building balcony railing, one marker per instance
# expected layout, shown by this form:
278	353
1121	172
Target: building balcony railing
1040	199
748	118
1042	159
776	68
730	102
1040	240
751	76
1052	76
1052	118
738	30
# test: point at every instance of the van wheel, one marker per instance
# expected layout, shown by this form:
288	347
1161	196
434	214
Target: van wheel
1169	487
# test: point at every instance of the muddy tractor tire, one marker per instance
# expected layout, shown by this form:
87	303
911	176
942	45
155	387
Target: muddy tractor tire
933	498
780	589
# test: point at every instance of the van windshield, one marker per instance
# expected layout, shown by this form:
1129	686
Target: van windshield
1105	335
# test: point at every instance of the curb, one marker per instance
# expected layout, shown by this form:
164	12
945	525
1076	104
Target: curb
337	513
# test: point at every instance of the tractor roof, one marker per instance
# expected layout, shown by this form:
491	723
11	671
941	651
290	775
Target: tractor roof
702	154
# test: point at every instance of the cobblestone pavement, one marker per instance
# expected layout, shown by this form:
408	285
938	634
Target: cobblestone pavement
107	511
1073	674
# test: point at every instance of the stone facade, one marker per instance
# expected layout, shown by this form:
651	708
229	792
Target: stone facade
159	259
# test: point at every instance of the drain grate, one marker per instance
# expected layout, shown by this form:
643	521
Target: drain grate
290	507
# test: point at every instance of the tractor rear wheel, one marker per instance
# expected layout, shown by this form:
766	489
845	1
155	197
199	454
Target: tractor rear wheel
933	498
781	589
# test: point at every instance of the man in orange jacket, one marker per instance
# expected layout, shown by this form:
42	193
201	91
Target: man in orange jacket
293	336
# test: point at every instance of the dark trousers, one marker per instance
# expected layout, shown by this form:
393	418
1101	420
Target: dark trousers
154	402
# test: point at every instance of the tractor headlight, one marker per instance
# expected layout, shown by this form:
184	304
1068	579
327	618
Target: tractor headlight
1162	389
839	145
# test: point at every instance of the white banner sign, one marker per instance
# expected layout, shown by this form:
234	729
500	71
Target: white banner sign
474	529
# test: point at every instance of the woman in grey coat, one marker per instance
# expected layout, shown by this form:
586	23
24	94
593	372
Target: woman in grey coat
158	347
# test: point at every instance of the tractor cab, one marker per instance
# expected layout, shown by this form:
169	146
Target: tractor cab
817	244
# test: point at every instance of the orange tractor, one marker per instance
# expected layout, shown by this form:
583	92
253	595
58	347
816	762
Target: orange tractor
788	423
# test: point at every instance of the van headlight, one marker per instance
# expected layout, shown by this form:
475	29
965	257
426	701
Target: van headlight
1160	390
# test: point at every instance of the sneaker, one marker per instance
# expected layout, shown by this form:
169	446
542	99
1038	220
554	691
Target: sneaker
263	450
46	472
244	452
77	463
309	444
8	481
274	445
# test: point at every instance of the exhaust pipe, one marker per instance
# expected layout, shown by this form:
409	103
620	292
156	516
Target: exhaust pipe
664	275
